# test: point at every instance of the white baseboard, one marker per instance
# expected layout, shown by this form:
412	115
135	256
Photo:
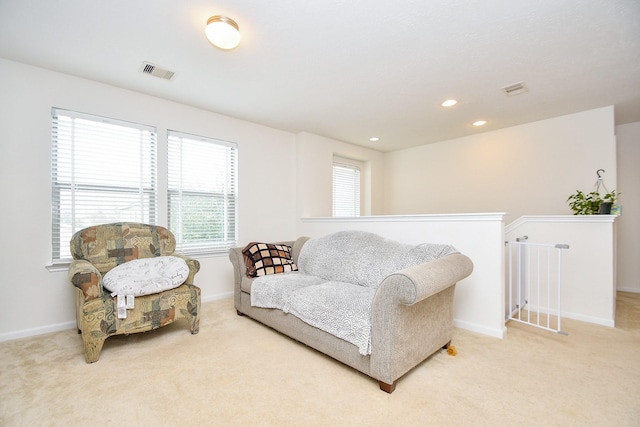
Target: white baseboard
41	330
217	297
568	315
474	327
632	290
589	319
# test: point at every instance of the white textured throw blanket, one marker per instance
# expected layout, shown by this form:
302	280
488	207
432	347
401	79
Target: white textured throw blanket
338	277
341	309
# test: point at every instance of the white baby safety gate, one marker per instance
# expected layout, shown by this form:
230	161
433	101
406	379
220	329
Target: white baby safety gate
534	272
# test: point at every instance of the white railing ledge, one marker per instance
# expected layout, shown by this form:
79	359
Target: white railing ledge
469	217
560	218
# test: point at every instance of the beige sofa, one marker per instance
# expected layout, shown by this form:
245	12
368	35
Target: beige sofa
410	309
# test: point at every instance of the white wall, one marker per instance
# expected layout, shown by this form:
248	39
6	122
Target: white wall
479	299
35	300
588	267
529	169
629	222
315	175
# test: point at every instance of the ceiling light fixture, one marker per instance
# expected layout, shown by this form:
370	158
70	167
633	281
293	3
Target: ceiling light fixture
222	32
480	123
374	139
449	103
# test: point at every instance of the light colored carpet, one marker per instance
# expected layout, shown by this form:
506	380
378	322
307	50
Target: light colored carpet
236	372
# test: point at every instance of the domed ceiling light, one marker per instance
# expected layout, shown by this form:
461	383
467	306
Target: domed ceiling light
222	32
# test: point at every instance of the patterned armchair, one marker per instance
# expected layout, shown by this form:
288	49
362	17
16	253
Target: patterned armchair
98	249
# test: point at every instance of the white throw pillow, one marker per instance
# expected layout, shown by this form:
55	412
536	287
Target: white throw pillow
146	276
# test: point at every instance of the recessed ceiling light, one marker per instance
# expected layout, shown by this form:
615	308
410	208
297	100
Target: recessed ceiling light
449	103
480	123
374	139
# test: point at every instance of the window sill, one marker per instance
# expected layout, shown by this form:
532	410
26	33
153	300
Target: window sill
62	266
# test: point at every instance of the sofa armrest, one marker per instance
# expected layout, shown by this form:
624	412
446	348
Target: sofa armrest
429	278
296	247
86	277
194	267
412	315
240	269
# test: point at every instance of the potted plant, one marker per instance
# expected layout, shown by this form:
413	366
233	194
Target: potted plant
607	202
584	203
591	203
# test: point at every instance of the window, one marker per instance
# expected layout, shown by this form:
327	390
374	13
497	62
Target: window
202	193
346	188
103	170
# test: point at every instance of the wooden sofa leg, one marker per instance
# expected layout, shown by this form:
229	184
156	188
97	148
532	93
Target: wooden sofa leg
389	388
239	312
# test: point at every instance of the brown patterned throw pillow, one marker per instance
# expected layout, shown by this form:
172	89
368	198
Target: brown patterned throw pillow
267	258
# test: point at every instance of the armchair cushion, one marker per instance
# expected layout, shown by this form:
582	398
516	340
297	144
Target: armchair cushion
146	276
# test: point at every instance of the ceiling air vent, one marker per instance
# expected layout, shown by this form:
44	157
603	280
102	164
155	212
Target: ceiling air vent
154	70
515	89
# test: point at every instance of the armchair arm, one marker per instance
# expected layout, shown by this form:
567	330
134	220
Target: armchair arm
194	267
86	277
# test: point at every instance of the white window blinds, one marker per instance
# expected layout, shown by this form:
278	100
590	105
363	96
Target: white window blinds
202	193
103	170
346	189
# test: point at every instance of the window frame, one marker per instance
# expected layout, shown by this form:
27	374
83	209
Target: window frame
71	164
353	165
228	196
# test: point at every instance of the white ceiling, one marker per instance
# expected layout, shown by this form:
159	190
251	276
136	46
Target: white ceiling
350	70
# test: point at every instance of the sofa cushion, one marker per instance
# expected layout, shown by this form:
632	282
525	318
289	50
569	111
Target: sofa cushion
146	276
341	309
363	258
274	291
268	258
